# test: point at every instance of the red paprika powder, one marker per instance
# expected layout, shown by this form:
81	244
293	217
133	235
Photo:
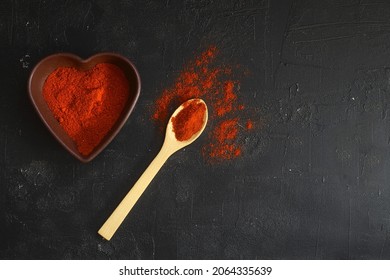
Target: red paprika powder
87	103
204	78
189	120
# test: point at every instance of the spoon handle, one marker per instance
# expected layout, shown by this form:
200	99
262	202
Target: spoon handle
115	220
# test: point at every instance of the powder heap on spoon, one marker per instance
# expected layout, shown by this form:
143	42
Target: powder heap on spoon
189	120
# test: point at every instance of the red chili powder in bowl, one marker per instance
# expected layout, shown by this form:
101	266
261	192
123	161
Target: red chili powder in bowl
204	78
87	103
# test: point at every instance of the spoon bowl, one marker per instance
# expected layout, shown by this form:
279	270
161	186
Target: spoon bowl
170	137
171	145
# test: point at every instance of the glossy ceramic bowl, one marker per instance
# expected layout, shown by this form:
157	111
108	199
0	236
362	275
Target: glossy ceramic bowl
46	66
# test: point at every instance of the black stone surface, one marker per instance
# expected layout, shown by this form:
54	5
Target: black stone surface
313	182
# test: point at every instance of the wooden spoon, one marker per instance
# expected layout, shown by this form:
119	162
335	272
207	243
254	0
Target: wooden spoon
170	146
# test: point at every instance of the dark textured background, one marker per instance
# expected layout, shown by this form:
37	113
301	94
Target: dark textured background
313	182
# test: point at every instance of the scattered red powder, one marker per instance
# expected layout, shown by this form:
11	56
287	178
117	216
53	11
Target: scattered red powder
249	125
203	78
228	97
224	134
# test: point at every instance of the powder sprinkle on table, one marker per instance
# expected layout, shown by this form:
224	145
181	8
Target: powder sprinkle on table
204	78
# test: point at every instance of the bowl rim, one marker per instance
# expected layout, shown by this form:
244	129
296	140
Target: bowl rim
118	125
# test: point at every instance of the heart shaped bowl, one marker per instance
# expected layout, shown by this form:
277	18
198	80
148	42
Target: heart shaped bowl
47	65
